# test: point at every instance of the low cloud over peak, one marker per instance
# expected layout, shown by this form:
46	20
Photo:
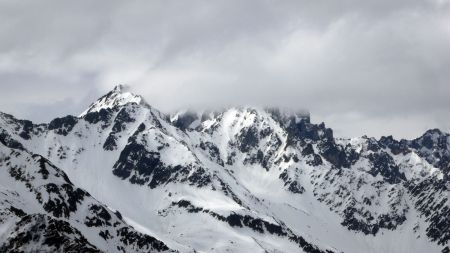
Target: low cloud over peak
372	68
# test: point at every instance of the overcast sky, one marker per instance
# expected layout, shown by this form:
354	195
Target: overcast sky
363	67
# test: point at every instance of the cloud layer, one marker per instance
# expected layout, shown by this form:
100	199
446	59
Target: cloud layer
364	67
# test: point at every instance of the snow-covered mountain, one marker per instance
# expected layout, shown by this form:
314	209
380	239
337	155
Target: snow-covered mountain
125	177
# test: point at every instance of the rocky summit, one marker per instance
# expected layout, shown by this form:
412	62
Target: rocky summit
125	177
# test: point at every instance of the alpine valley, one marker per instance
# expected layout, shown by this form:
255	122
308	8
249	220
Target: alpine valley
125	177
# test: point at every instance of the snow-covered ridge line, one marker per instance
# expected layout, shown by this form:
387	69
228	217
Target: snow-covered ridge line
224	181
119	96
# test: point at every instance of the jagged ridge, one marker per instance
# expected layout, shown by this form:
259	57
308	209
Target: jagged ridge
274	166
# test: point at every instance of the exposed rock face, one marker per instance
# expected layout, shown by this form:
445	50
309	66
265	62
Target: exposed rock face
39	232
63	125
42	211
234	180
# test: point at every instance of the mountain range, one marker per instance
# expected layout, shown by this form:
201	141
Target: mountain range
126	177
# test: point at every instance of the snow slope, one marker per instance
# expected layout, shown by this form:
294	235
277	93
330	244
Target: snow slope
244	179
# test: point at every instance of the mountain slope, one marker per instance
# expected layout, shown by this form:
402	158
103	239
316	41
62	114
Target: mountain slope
249	179
40	209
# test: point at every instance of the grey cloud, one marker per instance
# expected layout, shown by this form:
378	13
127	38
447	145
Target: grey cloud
363	67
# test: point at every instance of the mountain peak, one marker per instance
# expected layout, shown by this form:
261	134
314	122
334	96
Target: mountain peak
120	95
433	132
